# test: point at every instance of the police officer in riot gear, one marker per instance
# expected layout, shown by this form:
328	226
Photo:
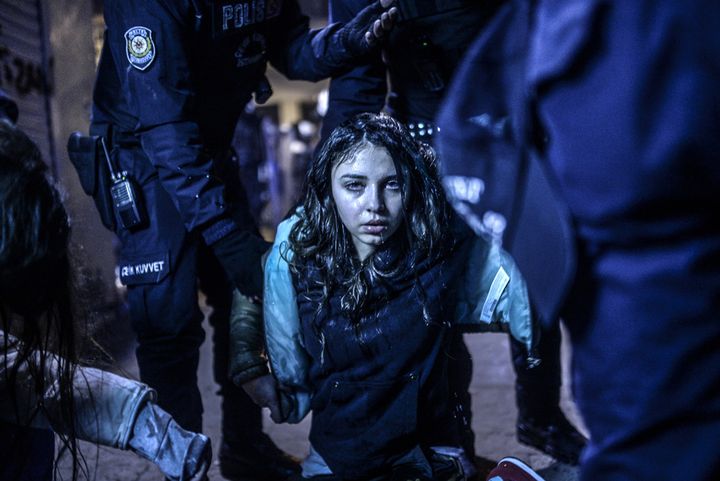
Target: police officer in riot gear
172	80
419	57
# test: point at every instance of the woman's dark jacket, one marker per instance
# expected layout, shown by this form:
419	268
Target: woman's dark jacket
377	384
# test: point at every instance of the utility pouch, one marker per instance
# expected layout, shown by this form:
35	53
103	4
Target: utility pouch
94	174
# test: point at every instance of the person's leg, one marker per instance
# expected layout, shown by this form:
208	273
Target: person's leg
246	452
157	263
541	423
460	369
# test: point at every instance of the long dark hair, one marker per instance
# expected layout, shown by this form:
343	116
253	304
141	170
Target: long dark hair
35	285
320	241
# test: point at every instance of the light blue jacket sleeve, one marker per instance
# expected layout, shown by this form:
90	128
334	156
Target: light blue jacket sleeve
288	358
106	405
492	294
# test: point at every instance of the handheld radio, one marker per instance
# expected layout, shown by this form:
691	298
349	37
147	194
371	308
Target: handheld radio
126	201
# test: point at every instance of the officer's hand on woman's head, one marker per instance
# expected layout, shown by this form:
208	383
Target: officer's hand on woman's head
384	24
364	32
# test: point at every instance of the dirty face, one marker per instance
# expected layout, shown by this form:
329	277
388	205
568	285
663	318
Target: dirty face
367	196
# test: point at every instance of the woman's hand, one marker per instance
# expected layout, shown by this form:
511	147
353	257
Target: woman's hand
263	391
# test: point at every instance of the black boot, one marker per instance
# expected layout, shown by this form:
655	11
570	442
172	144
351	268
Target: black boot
261	460
553	435
541	423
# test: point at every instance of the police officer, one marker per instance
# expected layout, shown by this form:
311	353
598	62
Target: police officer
420	56
598	121
172	80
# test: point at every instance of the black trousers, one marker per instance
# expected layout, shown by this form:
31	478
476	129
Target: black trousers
164	309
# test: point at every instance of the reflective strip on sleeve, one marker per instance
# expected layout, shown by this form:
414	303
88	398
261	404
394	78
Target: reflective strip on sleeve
497	287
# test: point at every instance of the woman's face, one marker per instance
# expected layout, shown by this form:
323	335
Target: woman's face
367	196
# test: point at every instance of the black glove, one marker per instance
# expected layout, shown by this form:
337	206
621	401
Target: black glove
248	359
181	455
363	32
240	254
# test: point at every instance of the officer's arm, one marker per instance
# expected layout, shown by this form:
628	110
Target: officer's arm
304	54
362	89
148	41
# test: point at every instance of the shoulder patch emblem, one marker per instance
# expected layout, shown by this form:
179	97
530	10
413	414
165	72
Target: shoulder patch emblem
140	48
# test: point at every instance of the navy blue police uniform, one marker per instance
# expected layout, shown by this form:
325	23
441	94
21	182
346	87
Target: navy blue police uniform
420	56
599	134
172	81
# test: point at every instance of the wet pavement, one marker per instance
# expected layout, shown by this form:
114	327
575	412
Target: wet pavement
493	420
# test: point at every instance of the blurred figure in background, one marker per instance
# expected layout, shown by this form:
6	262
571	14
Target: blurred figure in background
250	149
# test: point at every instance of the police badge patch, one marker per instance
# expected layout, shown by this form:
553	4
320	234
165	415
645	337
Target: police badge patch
140	48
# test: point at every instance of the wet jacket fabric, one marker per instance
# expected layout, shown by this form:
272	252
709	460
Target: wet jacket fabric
387	394
106	405
616	103
419	57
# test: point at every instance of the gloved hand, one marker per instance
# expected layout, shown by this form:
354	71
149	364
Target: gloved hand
369	26
263	391
247	340
181	455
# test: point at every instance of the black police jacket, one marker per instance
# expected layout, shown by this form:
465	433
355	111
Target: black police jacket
419	57
177	75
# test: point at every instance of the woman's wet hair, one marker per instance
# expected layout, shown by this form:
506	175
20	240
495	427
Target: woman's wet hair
35	286
319	239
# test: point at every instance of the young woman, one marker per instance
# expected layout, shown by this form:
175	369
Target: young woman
42	389
364	286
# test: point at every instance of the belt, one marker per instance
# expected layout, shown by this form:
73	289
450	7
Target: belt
125	139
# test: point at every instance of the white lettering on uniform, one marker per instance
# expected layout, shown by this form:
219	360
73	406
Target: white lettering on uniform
242	14
227	14
156	266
